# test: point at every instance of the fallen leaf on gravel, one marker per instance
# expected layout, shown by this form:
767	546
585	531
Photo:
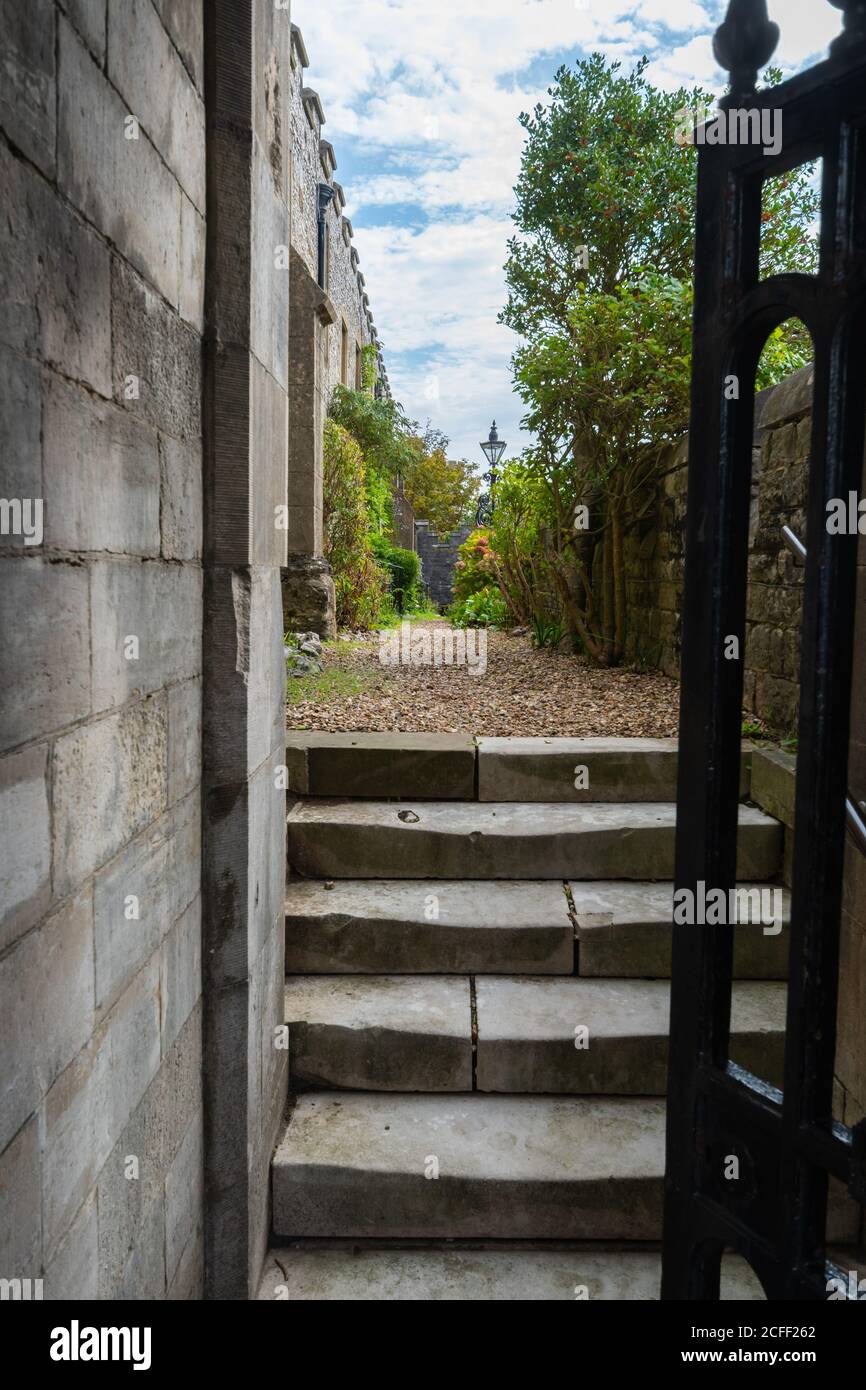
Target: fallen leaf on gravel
524	691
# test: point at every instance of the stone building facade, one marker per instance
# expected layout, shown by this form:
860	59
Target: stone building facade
331	325
164	346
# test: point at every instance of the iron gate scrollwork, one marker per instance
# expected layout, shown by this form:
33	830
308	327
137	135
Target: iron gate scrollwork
787	1142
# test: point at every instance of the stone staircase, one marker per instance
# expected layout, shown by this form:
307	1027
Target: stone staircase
477	956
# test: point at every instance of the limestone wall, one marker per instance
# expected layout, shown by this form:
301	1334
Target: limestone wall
102	291
142	715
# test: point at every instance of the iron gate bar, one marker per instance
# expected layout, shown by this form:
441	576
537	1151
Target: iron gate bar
787	1143
854	810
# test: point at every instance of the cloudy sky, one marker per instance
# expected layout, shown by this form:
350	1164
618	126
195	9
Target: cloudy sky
421	100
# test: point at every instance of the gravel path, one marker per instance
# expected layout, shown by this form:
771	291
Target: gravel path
521	691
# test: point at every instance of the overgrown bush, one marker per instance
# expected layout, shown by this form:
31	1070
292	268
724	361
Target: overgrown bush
360	583
404	572
475	568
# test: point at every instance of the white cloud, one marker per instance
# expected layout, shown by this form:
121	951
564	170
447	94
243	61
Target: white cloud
439	290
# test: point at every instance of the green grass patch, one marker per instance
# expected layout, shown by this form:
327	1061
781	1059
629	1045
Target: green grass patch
332	684
416	615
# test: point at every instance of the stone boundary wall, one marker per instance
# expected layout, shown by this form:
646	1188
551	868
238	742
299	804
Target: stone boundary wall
102	147
655	554
655	558
438	559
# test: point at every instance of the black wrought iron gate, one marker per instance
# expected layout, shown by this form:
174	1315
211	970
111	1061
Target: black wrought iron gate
786	1142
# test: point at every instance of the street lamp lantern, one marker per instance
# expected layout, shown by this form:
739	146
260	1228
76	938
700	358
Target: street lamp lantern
493	448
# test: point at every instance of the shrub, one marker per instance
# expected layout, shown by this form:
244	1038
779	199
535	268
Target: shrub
546	632
475	568
404	572
359	582
484	608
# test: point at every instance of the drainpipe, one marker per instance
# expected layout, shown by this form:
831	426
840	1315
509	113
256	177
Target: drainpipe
326	194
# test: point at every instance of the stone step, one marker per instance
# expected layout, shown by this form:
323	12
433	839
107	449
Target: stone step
526	1167
583	769
368	1274
352	1165
624	930
370	926
527	1039
414	1033
405	926
381	765
380	1032
505	840
444	766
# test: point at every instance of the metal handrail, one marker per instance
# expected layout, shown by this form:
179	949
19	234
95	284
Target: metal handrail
855	811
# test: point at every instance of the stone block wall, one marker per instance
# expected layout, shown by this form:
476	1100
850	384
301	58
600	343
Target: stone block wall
246	450
655	552
144	410
438	561
101	311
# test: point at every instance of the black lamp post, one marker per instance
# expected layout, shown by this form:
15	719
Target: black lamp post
493	448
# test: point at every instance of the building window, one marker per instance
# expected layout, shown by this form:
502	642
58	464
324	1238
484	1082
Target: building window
359	369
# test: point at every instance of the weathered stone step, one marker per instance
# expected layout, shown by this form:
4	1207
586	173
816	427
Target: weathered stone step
417	927
443	767
513	1168
505	840
433	1275
528	1038
440	766
583	769
414	1033
522	1167
624	930
380	1032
